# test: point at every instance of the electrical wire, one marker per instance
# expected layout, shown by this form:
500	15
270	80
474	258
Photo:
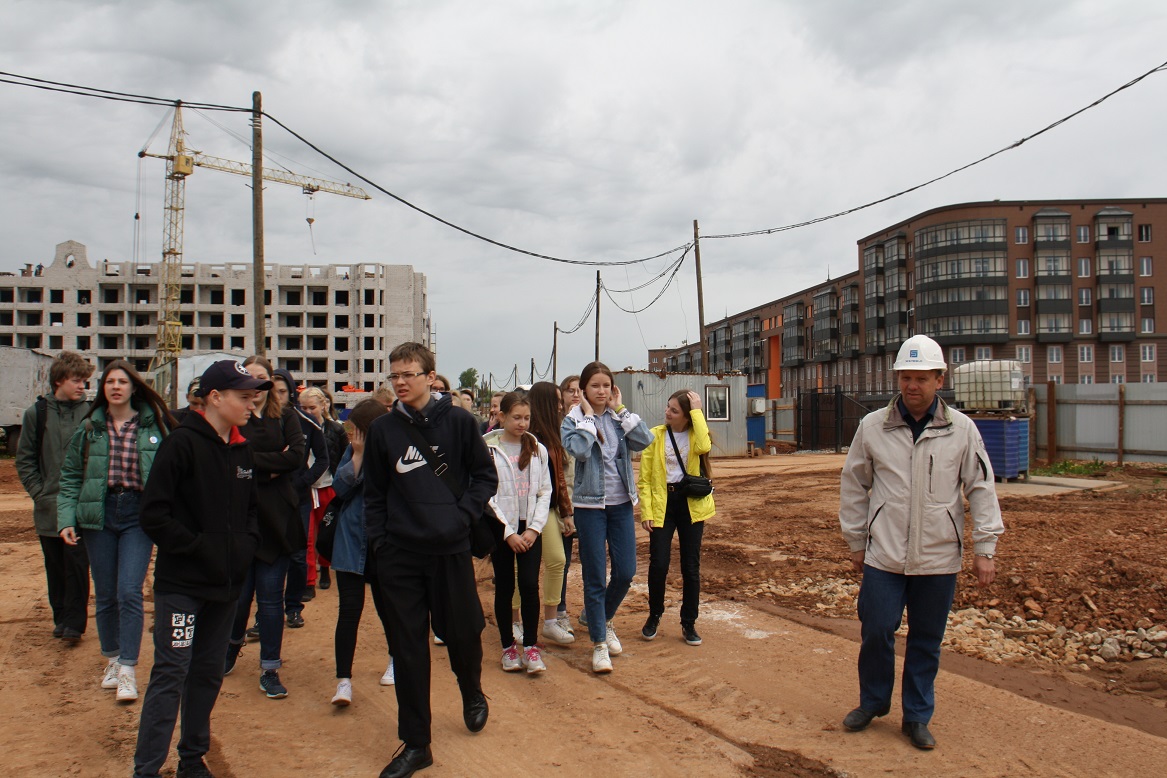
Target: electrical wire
543	375
664	288
960	169
582	319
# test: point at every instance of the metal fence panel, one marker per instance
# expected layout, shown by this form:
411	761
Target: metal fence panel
1087	422
647	394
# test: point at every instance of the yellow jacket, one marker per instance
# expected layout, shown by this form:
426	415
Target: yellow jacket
652	482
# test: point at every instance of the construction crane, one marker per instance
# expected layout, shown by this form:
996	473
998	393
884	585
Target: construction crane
180	163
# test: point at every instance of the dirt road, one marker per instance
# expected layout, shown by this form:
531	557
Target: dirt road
762	697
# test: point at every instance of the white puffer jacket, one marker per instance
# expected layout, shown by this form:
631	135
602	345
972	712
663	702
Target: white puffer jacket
901	501
505	502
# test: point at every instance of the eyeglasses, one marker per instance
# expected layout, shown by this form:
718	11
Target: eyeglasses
404	376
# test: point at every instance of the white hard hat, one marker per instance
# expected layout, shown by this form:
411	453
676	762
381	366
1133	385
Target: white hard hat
920	352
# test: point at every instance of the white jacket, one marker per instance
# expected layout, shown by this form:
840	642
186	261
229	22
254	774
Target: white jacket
505	501
901	501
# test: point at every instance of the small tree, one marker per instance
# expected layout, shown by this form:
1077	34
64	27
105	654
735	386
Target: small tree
468	378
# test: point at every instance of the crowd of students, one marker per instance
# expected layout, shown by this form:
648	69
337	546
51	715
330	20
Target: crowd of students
231	492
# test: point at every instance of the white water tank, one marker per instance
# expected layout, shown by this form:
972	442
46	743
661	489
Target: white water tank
989	384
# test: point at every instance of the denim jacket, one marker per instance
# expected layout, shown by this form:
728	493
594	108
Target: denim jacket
351	544
580	441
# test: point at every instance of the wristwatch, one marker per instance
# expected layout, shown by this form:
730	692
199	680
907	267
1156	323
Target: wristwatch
986	556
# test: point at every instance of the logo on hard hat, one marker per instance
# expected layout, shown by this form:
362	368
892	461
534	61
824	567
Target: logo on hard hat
913	354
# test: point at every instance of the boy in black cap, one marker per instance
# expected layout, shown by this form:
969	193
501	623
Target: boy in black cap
199	509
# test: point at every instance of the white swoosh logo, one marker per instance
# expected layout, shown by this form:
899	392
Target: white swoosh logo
404	468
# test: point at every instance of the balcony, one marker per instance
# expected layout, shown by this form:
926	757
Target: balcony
1053	277
1060	305
1116	336
1060	336
1046	242
1105	242
1116	305
1120	277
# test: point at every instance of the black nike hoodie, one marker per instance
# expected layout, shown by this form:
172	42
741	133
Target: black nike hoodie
199	508
406	503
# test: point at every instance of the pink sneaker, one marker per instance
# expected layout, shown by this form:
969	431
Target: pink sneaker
533	660
511	662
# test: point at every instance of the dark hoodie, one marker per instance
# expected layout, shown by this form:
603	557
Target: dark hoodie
199	508
314	440
406	503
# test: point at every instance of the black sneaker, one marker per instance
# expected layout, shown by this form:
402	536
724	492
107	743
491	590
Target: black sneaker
295	620
193	770
690	634
648	632
233	650
309	594
269	682
324	580
253	633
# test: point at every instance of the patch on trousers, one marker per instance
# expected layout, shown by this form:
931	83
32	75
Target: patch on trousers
182	626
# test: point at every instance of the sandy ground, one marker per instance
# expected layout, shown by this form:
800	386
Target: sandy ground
762	697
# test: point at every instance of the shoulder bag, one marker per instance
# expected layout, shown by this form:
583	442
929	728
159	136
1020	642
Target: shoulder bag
691	485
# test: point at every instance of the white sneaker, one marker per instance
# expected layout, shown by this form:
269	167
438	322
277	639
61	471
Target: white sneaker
110	679
554	631
565	623
387	679
438	641
614	647
533	660
601	662
127	685
344	693
517	631
511	661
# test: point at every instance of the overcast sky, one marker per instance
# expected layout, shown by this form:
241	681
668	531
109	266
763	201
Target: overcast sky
594	130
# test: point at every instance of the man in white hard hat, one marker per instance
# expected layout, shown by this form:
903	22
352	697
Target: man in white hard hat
902	516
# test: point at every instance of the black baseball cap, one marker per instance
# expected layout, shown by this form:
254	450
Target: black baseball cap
228	374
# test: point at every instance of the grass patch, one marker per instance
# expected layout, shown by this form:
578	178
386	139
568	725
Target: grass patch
1074	467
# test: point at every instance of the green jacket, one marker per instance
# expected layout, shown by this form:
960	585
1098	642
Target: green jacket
84	476
40	475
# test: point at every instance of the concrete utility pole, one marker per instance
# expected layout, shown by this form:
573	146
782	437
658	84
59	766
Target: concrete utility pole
597	315
258	280
700	298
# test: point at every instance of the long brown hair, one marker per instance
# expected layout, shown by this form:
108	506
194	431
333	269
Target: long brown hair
545	419
271	406
528	445
682	398
143	394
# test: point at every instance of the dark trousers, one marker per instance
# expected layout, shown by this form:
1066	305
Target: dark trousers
298	568
190	641
882	598
504	559
416	589
568	545
266	583
660	543
67	571
350	588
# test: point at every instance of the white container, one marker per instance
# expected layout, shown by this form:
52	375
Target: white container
989	384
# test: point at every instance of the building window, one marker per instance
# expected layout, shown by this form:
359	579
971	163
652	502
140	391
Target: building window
1022	298
1147	295
1084	234
1053	355
1117	354
1023	268
1144	233
1118	378
1083	267
1024	354
1148	378
956	355
1085	378
1085	353
57	296
1147	352
1085	295
341	297
1148	325
867	364
83	343
1023	326
1085	326
1057	379
1145	266
238	296
1022	235
984	352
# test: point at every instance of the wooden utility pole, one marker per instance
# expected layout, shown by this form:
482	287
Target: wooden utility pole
555	355
532	371
257	270
700	298
597	315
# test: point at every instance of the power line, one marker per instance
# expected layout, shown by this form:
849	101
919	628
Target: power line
664	288
960	169
586	314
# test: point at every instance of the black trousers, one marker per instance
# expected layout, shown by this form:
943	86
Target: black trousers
417	588
190	643
504	559
350	589
660	542
67	571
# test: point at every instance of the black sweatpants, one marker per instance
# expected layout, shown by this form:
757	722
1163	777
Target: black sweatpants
504	559
190	650
417	588
350	604
67	571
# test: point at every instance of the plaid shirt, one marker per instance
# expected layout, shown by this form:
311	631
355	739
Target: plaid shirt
123	455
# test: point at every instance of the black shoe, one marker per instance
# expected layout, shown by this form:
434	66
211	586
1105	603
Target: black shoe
689	632
233	650
58	630
269	684
408	761
858	719
324	580
917	732
475	711
193	770
648	631
253	633
295	620
309	594
70	636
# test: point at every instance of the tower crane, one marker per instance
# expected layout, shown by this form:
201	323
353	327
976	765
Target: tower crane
180	163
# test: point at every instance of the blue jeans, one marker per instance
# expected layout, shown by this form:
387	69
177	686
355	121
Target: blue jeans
882	598
266	582
614	528
118	557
